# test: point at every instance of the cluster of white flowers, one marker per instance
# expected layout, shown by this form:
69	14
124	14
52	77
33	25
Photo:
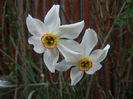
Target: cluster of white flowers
51	38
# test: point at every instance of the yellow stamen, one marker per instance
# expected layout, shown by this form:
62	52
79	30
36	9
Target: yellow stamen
49	40
84	64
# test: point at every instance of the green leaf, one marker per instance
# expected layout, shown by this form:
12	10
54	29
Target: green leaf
18	66
26	85
29	61
31	93
129	1
120	22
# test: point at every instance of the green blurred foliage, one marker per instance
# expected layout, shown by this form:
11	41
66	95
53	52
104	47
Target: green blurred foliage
127	15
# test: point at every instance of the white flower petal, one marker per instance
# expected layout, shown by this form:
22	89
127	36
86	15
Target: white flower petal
50	58
34	40
89	41
69	49
71	31
38	46
35	26
94	68
99	55
52	19
75	75
63	65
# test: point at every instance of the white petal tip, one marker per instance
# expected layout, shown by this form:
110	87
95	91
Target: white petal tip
52	71
89	29
107	47
82	22
29	16
56	6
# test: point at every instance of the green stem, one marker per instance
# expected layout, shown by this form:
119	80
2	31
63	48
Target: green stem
26	85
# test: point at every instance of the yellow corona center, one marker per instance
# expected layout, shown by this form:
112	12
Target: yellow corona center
84	64
49	40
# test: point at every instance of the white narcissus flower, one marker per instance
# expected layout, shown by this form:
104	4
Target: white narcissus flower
50	37
88	61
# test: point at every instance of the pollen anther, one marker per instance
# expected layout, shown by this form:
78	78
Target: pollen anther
49	40
84	64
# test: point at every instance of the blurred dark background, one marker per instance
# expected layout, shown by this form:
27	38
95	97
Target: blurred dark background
20	65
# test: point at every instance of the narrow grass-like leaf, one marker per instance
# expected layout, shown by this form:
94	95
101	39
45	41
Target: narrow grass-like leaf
26	85
31	93
13	42
10	58
29	61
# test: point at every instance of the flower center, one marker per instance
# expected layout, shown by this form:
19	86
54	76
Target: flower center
49	40
84	64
